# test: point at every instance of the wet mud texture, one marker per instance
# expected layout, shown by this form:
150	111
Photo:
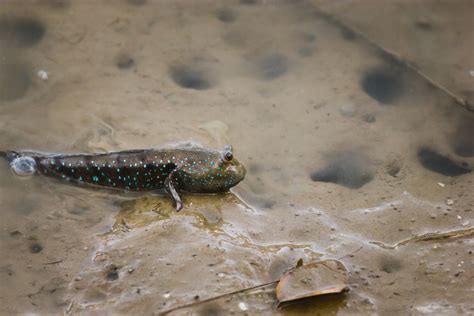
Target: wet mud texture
383	84
124	61
191	77
346	155
424	26
112	273
137	2
57	4
463	139
424	39
15	80
272	66
36	248
21	31
226	15
390	264
434	161
349	169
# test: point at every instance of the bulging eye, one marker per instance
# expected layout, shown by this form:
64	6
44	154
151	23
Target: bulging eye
228	156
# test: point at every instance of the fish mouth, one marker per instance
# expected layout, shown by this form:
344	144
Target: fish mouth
242	171
238	171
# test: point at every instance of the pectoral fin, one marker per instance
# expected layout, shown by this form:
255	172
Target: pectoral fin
170	188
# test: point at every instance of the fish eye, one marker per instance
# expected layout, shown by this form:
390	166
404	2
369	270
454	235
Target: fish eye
228	156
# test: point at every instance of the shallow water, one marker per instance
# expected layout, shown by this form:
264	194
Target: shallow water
347	152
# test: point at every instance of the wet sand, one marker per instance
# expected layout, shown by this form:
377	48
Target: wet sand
347	152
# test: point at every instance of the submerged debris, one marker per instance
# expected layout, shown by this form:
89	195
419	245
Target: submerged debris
302	281
454	234
313	279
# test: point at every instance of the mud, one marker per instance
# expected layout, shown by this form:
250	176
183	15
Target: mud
436	162
226	15
347	168
191	77
335	170
15	80
21	31
384	85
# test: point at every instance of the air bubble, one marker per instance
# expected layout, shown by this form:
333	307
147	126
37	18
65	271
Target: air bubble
23	166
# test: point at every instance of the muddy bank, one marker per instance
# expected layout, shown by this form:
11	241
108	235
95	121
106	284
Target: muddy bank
346	151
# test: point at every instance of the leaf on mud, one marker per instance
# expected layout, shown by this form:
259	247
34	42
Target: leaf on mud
313	279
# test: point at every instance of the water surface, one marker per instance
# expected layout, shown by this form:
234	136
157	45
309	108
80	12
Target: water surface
346	151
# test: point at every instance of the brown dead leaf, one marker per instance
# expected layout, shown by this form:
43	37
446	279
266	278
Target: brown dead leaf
313	279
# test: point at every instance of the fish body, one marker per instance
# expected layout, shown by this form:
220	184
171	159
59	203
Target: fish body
173	170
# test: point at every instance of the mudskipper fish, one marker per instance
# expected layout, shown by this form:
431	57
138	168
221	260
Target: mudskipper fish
174	170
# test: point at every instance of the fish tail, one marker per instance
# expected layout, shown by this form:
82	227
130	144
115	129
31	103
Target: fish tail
9	155
22	164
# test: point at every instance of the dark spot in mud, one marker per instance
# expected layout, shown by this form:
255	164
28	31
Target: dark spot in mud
190	77
383	84
249	2
124	61
462	141
15	81
347	33
226	15
423	25
390	264
272	66
349	169
137	2
436	162
111	273
21	31
35	247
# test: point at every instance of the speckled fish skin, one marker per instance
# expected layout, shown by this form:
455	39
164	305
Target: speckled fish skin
195	170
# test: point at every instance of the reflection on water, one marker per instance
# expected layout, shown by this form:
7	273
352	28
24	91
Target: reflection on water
345	149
